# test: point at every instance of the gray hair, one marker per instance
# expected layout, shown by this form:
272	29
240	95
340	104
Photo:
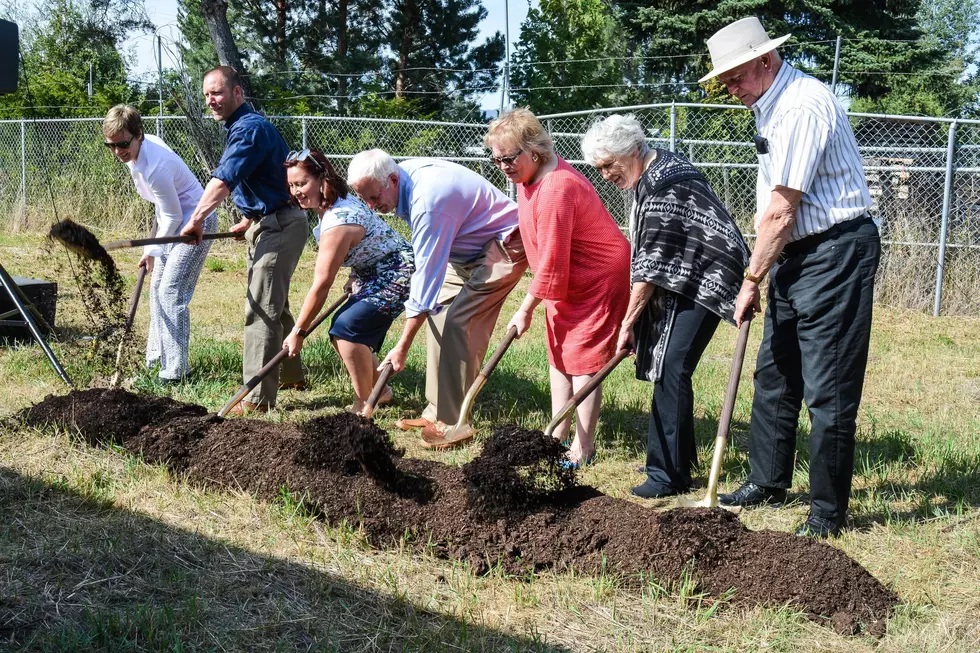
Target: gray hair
371	164
614	137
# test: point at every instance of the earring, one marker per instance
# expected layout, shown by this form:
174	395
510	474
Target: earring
534	157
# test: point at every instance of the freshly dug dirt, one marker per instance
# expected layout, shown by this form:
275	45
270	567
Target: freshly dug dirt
81	241
511	506
517	471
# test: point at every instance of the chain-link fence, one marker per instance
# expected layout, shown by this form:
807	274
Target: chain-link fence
924	176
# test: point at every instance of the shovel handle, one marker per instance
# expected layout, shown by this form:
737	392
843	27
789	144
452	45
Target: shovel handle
481	380
135	299
165	240
277	359
586	390
499	352
725	419
386	372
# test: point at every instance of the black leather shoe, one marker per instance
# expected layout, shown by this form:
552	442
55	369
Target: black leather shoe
650	491
819	527
751	494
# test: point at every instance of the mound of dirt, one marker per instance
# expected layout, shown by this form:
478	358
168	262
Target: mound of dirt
106	416
540	519
517	471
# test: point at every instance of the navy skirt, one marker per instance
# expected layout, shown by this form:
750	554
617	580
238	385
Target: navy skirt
362	321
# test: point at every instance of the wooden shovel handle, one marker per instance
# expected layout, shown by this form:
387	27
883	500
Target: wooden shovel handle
277	359
379	387
165	240
499	352
135	299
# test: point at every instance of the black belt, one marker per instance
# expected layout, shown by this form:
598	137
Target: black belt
806	244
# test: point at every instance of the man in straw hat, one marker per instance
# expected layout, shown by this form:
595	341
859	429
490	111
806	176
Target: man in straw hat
820	249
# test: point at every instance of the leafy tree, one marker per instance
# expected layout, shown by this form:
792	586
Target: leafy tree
582	38
58	45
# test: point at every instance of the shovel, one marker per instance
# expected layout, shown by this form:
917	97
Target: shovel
463	430
277	359
130	316
724	422
166	240
379	387
585	391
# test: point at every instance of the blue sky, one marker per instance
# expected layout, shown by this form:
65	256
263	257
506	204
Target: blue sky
163	13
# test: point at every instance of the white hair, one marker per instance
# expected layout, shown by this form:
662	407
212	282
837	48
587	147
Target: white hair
614	137
371	164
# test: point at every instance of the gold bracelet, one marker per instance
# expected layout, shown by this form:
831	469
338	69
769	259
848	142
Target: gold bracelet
751	277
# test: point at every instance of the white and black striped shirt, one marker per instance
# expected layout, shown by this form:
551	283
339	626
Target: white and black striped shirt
811	149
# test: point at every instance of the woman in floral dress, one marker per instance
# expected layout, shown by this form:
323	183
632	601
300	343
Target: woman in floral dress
349	234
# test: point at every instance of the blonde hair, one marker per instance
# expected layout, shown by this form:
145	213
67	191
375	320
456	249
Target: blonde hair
523	127
120	117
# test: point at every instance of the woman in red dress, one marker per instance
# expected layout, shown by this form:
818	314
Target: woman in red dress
581	265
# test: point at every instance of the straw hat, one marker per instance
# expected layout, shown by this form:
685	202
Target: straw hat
739	43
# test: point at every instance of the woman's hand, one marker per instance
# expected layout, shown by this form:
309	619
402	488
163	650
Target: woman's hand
146	261
293	342
521	321
396	357
626	338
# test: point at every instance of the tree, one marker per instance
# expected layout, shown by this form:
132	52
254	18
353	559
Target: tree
59	45
215	13
582	38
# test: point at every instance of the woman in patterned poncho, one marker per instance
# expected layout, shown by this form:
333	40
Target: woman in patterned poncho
687	261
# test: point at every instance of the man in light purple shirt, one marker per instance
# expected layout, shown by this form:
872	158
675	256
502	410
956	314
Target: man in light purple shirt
468	257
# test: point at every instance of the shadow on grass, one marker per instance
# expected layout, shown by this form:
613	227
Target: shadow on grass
80	574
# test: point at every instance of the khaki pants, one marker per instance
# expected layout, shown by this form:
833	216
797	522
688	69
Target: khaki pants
458	336
275	244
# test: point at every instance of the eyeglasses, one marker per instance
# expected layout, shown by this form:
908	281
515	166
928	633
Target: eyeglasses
505	160
121	145
303	155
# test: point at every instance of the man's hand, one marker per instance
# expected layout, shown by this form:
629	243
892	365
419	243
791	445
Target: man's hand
195	229
146	261
748	302
521	321
396	357
240	228
626	338
293	342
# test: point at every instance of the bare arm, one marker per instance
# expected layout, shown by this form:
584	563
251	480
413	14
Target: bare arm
522	317
215	193
775	228
399	353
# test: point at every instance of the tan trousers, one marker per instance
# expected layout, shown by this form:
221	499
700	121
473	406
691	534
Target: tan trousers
275	244
459	335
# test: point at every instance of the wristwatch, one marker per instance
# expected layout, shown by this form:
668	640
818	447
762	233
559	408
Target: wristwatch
300	332
751	277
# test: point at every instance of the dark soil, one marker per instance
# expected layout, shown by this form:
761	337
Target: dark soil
512	506
81	241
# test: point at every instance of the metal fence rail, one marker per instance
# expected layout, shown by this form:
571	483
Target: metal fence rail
924	176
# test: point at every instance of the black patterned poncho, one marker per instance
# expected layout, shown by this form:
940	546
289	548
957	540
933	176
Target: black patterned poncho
685	243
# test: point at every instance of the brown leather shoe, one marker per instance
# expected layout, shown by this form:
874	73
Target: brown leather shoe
406	424
294	385
458	439
435	432
245	408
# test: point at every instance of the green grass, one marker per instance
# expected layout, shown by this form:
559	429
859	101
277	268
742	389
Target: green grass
102	552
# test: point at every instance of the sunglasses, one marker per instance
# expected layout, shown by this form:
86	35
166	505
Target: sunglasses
505	160
121	145
303	155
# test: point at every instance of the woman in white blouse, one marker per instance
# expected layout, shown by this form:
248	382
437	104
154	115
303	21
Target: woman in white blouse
163	178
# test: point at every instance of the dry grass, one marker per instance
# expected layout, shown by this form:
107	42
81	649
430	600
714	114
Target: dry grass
102	552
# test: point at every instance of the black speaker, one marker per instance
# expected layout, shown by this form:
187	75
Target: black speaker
9	56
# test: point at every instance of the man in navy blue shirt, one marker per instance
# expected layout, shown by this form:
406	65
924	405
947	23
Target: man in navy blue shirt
251	172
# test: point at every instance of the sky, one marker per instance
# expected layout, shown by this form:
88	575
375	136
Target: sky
163	14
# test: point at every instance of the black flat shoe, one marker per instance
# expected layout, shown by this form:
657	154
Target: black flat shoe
751	494
819	527
651	491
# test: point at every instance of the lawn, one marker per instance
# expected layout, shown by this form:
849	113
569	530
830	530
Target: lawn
101	551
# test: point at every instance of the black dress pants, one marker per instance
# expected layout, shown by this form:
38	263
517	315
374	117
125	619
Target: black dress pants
815	348
671	450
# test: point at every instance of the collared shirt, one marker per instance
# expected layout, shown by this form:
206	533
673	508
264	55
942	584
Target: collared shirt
162	177
453	213
251	165
811	149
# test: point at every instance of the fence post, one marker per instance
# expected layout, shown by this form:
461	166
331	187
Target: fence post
23	171
303	124
728	199
944	229
673	127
